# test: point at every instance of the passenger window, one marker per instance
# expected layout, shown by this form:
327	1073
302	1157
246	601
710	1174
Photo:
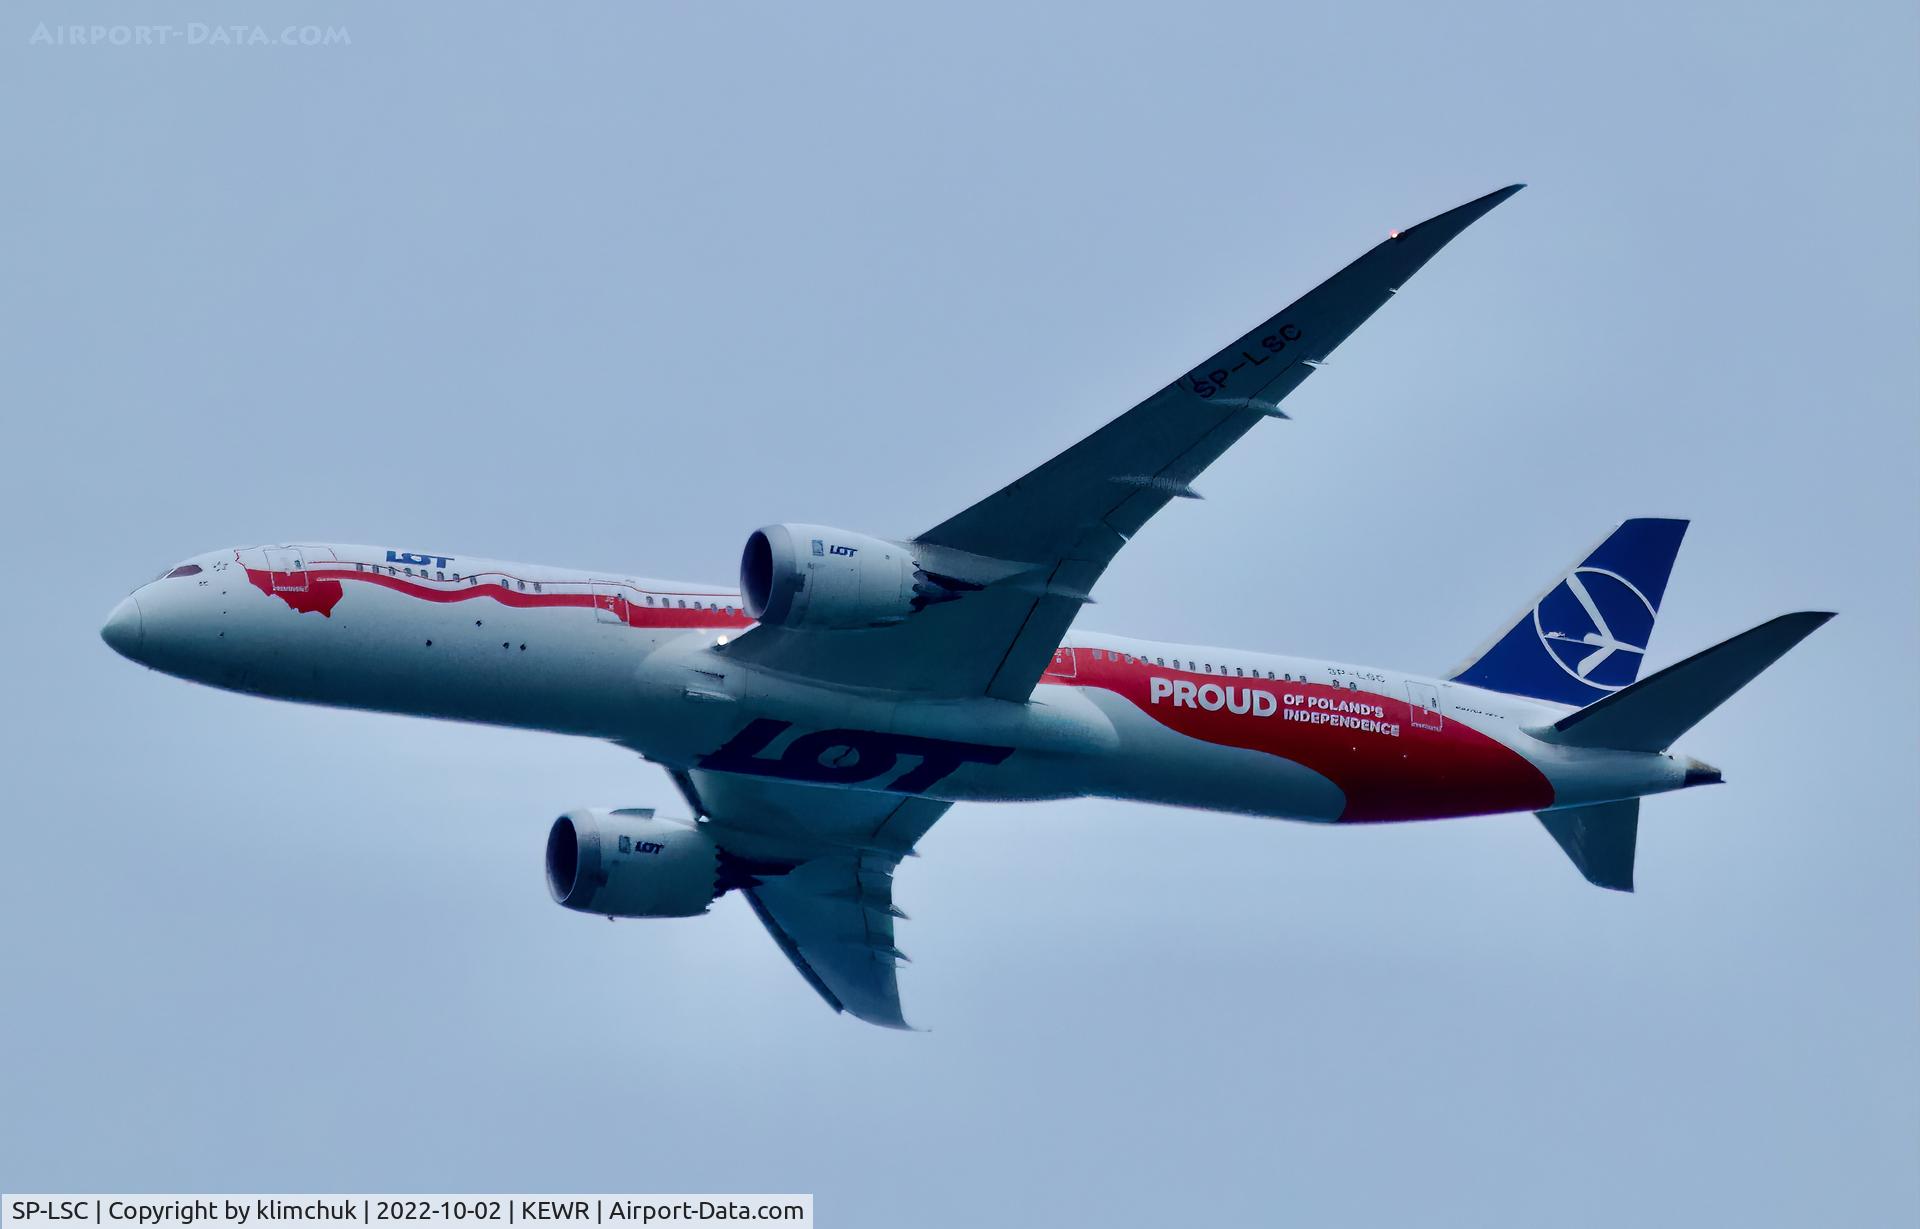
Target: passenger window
683	603
1159	661
536	586
649	599
523	585
439	575
1239	672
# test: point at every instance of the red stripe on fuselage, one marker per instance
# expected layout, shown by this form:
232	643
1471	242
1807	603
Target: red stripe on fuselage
1416	773
323	590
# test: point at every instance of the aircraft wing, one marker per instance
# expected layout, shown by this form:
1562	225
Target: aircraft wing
816	864
1036	547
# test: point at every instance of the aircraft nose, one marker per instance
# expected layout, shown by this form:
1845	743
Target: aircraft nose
125	629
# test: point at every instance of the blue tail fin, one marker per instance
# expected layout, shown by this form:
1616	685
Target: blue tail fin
1585	637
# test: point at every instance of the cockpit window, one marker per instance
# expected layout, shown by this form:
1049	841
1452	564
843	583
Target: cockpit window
185	569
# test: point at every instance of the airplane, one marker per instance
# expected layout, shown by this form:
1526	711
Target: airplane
821	716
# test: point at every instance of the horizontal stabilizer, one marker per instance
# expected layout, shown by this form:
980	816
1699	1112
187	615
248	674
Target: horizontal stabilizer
1599	839
1653	713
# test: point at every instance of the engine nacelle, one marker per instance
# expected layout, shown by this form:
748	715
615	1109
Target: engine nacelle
813	576
629	863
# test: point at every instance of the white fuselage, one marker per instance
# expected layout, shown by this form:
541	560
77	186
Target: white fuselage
644	663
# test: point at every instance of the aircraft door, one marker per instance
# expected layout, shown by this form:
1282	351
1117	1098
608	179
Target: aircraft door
1423	699
610	601
287	569
1062	666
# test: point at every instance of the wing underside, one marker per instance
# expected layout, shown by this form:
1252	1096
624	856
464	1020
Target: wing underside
816	865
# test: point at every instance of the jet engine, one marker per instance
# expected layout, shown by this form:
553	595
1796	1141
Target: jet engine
630	863
812	576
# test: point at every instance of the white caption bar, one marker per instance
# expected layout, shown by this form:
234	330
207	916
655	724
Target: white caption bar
540	1211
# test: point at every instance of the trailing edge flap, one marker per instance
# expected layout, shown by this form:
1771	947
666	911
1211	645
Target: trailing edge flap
832	914
1653	713
1599	839
833	917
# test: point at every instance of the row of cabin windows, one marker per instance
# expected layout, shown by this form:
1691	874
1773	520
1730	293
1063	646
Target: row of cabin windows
421	574
715	607
1205	667
521	585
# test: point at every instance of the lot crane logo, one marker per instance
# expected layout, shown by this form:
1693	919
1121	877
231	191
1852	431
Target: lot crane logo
1596	625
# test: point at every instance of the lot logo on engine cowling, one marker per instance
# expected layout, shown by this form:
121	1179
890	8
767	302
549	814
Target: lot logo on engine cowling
847	757
822	550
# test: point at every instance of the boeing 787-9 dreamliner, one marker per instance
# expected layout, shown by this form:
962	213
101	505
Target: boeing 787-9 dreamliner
820	717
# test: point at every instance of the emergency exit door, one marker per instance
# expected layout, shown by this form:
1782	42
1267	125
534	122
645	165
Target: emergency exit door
287	569
1423	699
610	602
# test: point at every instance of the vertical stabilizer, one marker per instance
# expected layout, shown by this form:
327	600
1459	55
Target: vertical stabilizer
1585	637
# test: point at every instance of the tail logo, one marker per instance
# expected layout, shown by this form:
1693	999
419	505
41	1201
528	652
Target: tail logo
1595	625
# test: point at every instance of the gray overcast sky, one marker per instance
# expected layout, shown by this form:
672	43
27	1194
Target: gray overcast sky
612	285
